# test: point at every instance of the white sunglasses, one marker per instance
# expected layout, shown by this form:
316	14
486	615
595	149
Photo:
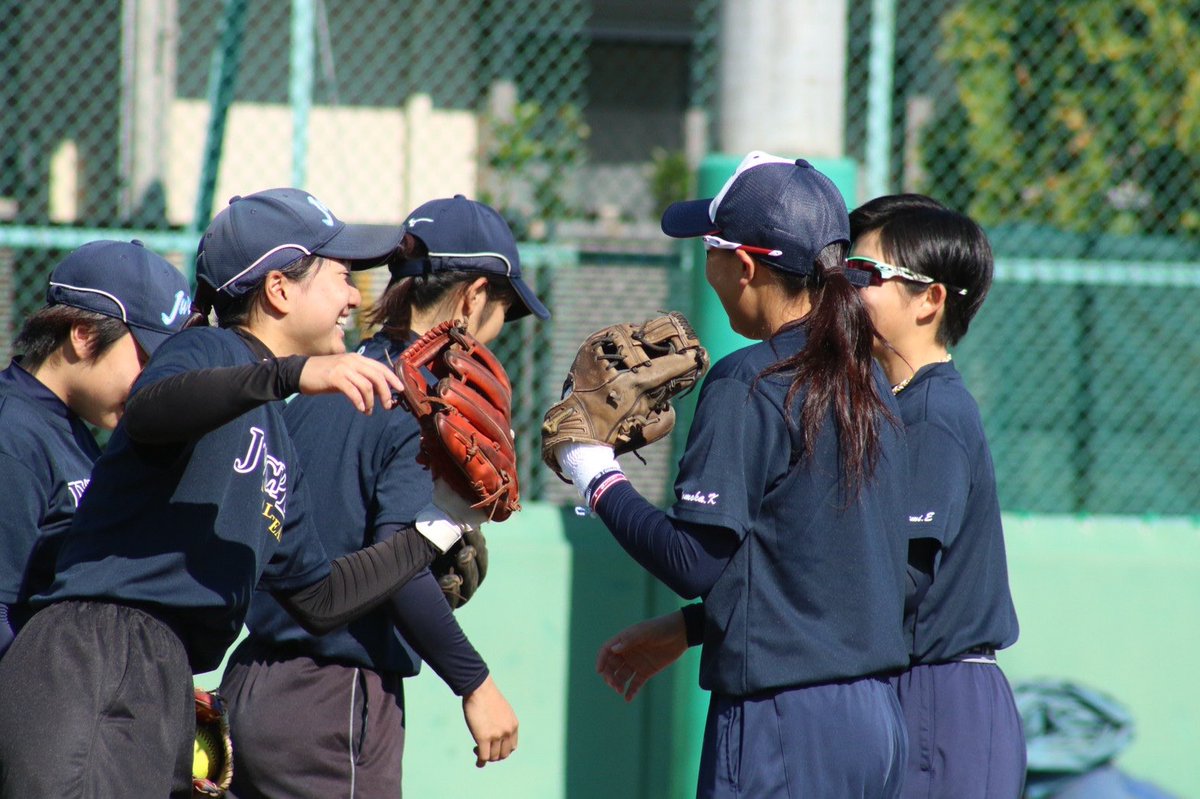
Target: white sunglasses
881	271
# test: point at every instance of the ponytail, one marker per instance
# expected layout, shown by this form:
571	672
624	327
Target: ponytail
202	305
393	311
836	369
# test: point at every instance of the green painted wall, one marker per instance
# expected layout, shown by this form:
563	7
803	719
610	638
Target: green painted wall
1113	602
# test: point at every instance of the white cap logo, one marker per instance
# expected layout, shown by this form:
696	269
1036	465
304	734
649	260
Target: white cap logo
325	212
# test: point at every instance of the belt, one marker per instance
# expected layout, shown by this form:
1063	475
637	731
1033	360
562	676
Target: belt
977	654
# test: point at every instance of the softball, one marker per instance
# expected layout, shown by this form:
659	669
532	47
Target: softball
205	755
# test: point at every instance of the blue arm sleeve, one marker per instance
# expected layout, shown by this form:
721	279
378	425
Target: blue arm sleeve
421	614
7	633
686	556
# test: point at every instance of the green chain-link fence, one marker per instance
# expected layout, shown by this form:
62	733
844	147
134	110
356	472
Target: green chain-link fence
1070	130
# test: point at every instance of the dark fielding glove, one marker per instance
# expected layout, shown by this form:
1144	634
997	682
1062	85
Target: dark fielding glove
460	571
466	418
212	763
620	386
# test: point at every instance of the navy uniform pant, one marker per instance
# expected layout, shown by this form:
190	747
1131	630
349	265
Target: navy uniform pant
965	739
96	701
303	728
839	740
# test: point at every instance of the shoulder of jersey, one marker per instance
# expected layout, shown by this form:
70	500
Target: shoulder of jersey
216	338
744	364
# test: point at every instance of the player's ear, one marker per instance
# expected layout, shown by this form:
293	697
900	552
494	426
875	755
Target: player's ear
749	266
473	298
276	293
80	342
931	303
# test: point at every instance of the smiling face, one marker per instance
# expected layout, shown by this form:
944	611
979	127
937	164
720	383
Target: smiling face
322	302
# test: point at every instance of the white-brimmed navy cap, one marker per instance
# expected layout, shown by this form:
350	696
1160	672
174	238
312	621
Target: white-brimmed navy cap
465	235
126	281
778	204
271	229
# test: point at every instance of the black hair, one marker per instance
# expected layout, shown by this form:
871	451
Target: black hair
232	311
943	244
873	213
392	312
835	368
48	328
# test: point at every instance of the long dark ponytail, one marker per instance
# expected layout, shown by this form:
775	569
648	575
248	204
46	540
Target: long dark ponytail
835	369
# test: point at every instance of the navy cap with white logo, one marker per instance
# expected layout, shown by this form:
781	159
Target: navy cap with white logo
781	209
126	281
468	236
274	228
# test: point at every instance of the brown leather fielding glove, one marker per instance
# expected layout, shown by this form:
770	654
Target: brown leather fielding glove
465	418
620	386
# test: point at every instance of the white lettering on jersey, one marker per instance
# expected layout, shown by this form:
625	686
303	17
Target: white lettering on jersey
924	518
77	487
249	462
700	497
274	480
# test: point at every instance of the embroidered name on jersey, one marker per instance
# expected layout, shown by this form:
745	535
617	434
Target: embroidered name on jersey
700	497
922	519
274	483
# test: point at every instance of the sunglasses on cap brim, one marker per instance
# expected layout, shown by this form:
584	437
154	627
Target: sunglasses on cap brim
880	271
712	242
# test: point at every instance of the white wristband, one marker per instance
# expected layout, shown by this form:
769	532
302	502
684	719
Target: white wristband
440	529
583	462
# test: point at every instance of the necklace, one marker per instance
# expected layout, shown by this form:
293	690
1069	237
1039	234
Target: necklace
903	384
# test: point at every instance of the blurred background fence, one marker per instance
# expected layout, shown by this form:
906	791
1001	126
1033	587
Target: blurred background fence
1070	130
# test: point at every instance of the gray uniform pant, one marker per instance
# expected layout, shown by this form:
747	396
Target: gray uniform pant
303	728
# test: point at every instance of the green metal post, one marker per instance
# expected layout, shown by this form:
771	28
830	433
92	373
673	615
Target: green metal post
880	75
300	87
222	79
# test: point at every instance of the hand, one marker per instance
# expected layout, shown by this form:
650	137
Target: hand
492	723
360	379
634	655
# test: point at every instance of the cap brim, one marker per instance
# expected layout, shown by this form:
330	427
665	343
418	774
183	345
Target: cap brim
688	219
532	305
364	246
149	340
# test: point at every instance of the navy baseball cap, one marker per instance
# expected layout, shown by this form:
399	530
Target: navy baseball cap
274	228
465	235
126	281
782	209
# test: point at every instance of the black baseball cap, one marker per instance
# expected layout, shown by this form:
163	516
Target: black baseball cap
126	281
271	229
783	207
469	236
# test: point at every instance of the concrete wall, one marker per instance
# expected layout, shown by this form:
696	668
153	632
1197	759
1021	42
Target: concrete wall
370	165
